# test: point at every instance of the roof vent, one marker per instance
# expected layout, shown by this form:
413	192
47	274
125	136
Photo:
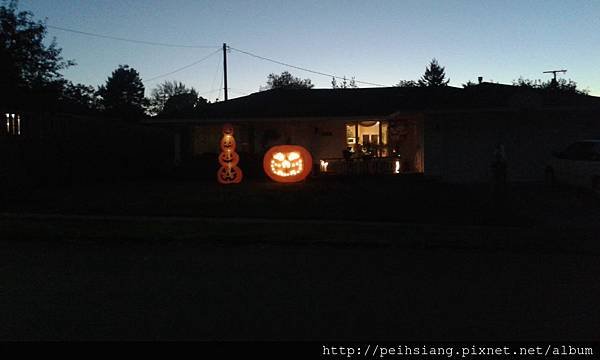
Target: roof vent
480	79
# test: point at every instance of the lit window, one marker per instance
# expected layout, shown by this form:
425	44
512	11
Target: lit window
13	124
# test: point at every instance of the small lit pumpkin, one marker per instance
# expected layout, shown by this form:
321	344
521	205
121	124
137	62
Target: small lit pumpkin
227	129
227	143
229	158
229	175
287	163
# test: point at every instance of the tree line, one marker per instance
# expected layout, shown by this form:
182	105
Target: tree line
31	75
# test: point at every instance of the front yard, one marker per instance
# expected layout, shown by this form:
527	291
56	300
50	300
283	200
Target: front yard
397	199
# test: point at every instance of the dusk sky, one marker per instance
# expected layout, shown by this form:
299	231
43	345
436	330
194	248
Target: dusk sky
380	42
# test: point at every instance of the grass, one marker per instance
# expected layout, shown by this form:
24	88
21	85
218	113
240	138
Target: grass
398	199
166	278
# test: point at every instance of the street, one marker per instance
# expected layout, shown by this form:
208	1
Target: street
235	286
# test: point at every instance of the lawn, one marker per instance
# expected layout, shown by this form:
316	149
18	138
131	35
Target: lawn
398	199
264	261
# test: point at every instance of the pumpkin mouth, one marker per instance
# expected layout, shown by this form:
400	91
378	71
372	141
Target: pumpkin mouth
287	165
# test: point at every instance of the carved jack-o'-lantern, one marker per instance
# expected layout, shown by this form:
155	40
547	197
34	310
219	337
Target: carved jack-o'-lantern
227	129
229	175
229	158
227	142
287	163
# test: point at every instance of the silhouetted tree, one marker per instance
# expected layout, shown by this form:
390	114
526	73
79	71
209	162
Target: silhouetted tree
345	84
28	66
78	98
561	85
434	75
123	94
407	84
181	105
161	94
286	80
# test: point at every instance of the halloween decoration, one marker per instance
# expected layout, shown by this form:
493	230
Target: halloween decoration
287	163
229	172
228	157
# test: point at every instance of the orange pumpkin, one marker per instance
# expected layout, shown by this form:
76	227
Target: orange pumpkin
227	143
229	175
287	163
227	129
229	158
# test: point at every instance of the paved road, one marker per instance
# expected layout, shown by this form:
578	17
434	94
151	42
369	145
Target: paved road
224	283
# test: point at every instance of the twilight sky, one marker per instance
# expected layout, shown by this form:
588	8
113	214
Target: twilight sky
376	41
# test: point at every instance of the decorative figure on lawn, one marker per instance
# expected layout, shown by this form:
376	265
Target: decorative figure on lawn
287	163
229	172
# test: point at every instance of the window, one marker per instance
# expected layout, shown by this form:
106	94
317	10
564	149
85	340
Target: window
13	124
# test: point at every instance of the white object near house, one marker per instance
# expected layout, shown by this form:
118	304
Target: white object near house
577	165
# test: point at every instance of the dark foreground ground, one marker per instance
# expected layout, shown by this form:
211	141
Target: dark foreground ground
145	277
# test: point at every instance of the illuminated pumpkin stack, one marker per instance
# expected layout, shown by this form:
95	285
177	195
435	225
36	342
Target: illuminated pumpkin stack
229	172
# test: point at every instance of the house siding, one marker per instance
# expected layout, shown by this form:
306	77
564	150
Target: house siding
459	147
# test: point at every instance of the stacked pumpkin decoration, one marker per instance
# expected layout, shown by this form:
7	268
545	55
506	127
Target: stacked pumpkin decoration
229	172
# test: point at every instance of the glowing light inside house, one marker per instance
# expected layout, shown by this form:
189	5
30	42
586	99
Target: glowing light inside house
397	167
13	124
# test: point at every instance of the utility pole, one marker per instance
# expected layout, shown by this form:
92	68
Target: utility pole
225	68
554	73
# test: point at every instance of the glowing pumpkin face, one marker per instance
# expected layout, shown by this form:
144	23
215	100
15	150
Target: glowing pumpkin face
227	143
287	163
229	158
229	175
227	129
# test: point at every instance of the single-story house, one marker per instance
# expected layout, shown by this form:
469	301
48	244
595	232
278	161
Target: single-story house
449	133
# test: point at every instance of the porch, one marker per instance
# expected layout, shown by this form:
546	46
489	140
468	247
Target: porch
388	165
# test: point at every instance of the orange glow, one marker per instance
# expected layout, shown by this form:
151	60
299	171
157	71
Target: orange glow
229	172
287	163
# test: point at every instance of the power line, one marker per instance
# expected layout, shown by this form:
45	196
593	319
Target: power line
301	68
131	40
183	67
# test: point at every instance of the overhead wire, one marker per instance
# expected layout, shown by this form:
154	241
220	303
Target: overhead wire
183	67
301	68
248	53
132	40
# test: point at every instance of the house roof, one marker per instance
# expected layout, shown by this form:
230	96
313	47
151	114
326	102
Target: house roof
331	102
380	102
